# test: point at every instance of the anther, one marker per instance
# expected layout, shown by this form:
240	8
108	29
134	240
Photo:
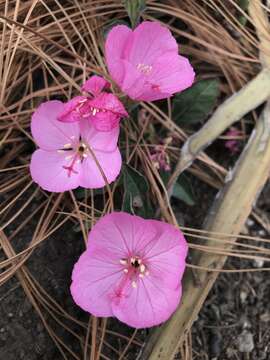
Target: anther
146	69
123	261
66	146
142	268
125	271
134	284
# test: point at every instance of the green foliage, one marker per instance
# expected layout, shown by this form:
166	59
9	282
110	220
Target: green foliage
183	191
244	6
136	189
194	104
134	9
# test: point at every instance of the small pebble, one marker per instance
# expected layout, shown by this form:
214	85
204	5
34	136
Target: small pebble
243	296
258	263
230	353
265	317
262	232
245	342
249	222
137	202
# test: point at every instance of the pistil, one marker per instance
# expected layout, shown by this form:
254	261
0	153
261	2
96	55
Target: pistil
79	153
134	268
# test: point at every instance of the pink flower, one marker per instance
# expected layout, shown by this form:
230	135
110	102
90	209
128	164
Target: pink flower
233	144
132	270
100	108
65	159
145	62
160	157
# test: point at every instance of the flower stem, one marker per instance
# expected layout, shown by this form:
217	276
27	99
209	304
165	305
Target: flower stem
233	109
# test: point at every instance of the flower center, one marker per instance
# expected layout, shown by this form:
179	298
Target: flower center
134	268
85	109
75	153
135	262
81	148
145	69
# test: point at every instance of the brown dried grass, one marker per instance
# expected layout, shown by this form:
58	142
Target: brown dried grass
62	42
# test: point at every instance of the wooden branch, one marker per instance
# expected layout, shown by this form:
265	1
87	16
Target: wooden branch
233	109
242	188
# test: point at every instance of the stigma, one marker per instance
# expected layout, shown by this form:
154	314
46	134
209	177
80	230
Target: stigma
134	268
74	154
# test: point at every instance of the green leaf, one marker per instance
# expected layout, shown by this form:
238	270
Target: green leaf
136	189
182	191
194	104
134	9
244	6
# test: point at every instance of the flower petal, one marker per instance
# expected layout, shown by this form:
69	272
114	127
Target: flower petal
47	171
69	113
115	49
95	84
47	131
147	305
91	175
133	82
108	102
165	255
109	110
92	280
99	140
172	73
105	121
149	41
138	86
123	233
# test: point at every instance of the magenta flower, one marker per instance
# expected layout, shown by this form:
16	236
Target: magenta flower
145	62
132	270
233	144
100	108
160	157
69	152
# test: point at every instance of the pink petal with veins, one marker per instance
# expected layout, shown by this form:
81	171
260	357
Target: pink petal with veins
72	154
47	131
95	84
146	64
132	269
